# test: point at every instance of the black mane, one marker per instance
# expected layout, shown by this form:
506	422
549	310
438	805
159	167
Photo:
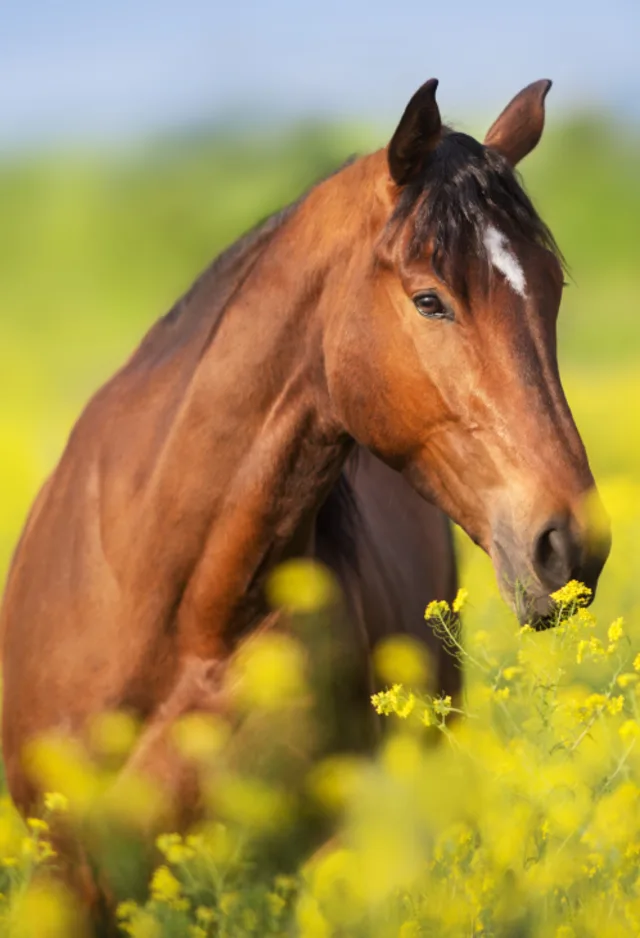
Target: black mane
465	186
195	317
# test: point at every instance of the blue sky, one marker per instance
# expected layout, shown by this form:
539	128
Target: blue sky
89	70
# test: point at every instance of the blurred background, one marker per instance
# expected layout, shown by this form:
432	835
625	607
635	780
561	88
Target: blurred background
139	138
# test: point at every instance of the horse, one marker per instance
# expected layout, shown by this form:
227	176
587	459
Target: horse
383	345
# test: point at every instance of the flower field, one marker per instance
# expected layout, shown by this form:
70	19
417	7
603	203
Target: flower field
517	816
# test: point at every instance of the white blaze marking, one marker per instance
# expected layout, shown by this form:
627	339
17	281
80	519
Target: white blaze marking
504	260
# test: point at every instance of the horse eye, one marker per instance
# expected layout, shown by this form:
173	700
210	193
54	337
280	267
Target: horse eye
430	305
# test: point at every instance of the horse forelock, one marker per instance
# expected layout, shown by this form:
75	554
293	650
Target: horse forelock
466	204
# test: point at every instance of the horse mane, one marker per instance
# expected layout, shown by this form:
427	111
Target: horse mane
464	186
201	308
337	523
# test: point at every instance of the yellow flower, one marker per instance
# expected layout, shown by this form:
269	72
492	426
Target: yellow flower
623	680
586	618
436	609
174	849
165	887
164	841
196	842
594	702
301	585
205	915
442	706
404	710
636	662
402	658
629	730
461	598
572	593
501	693
426	718
384	702
56	803
127	909
37	825
615	704
510	673
615	631
143	925
590	646
389	701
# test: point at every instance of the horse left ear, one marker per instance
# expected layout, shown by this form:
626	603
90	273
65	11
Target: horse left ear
416	135
519	128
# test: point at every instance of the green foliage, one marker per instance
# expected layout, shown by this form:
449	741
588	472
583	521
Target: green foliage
584	179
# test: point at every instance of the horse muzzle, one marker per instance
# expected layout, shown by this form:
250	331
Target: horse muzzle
560	551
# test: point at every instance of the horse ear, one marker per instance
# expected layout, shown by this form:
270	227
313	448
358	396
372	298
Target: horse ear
416	135
519	128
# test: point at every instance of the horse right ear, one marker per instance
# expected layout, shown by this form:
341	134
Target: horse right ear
518	129
416	136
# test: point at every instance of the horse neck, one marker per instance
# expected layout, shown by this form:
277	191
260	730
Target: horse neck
258	446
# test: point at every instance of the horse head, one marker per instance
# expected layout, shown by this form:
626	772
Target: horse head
446	365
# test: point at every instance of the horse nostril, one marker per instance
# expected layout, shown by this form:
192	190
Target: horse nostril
555	555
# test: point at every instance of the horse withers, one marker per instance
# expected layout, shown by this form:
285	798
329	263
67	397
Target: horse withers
406	306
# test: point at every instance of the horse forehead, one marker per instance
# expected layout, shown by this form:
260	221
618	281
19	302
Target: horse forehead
502	257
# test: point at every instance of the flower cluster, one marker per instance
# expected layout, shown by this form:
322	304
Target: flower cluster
201	891
431	711
515	810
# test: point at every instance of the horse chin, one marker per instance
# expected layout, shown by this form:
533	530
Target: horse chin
537	611
542	623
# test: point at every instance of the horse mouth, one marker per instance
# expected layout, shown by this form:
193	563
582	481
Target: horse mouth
540	612
537	611
543	623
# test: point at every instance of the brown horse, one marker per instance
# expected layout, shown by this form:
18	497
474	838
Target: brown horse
407	306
